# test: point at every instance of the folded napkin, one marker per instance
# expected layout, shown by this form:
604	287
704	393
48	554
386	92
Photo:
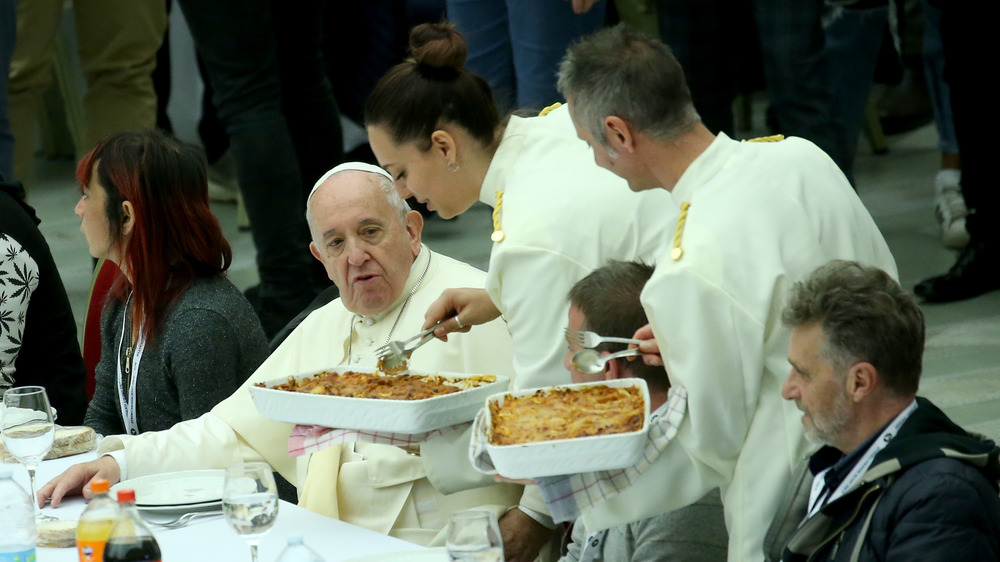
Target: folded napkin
307	439
566	496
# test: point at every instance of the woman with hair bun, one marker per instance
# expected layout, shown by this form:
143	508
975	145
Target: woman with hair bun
176	336
556	214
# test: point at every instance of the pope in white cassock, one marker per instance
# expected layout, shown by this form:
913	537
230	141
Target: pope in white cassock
369	242
755	217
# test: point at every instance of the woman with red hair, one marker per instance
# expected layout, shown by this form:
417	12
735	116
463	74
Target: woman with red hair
177	336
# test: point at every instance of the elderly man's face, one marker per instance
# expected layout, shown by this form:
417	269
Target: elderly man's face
357	235
816	387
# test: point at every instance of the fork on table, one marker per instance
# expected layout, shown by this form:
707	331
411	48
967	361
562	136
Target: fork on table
591	340
183	520
394	355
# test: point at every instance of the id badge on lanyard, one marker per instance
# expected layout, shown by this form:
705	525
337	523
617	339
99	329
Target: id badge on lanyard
127	404
820	495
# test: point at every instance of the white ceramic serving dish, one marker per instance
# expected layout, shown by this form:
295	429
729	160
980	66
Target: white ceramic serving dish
396	416
568	456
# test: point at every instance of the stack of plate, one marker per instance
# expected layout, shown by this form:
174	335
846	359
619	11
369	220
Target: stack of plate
183	492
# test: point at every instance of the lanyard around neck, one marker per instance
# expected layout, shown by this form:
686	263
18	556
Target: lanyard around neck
820	495
127	399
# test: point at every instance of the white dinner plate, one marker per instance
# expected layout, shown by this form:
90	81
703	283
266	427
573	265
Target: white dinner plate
180	509
189	489
421	555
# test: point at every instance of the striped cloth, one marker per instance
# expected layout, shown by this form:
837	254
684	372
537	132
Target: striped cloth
307	439
566	496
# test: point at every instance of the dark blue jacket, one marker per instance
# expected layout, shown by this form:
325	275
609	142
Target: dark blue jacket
930	495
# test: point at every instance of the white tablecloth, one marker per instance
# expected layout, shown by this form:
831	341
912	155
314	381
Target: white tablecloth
213	539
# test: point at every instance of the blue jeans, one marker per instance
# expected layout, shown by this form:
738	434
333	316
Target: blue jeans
708	37
516	45
263	61
938	88
853	40
8	32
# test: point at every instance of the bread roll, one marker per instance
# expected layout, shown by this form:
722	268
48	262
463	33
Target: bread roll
68	441
57	534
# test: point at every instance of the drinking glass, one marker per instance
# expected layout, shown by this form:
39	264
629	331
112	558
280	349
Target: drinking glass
28	430
474	536
250	501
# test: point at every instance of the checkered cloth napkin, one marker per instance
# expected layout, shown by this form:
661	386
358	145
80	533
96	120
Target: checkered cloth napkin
307	439
566	496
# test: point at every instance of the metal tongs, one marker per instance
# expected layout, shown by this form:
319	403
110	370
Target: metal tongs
393	356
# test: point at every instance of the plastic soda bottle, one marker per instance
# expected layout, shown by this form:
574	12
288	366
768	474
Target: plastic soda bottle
95	523
130	539
17	521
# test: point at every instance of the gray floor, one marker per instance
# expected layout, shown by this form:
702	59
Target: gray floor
962	366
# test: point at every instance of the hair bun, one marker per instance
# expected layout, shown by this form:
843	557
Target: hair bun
438	49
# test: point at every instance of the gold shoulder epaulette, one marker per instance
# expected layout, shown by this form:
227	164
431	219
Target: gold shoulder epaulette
549	109
498	234
772	138
677	252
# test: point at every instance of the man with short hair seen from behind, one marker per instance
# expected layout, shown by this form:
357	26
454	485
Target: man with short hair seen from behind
607	302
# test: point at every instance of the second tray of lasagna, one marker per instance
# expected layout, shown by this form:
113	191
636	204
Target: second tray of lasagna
567	429
418	402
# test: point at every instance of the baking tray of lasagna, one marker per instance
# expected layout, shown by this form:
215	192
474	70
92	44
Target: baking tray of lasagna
364	399
567	429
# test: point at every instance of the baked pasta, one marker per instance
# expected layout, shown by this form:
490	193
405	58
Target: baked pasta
566	413
353	384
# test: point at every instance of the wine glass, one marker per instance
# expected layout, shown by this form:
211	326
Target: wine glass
28	431
250	501
474	536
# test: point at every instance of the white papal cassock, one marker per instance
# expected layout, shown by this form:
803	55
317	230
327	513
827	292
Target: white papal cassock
379	487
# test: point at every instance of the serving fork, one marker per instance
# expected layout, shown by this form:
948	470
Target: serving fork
395	354
591	340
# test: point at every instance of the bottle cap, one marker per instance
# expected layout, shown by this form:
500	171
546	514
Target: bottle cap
294	539
126	496
100	486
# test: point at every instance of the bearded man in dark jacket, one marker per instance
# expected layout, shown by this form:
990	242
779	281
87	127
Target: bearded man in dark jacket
896	479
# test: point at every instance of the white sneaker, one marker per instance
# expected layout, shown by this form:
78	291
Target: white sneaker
949	206
222	184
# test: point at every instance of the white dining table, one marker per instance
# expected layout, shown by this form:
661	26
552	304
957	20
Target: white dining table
211	539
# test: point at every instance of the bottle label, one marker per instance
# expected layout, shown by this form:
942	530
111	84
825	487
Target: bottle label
90	551
19	556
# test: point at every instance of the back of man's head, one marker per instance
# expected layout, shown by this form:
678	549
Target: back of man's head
618	71
609	299
865	316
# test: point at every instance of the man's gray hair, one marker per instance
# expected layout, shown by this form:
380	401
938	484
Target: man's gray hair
388	189
866	316
620	72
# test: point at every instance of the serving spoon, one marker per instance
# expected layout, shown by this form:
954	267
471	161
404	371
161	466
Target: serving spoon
591	362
